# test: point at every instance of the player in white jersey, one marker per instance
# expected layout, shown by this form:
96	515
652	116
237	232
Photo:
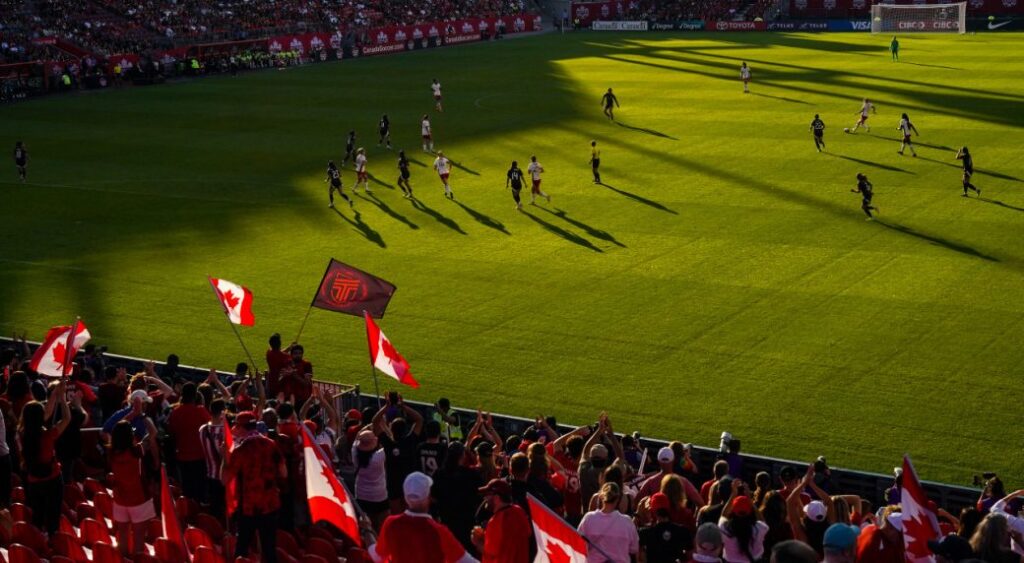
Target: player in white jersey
745	76
361	174
906	126
535	170
444	168
865	109
436	87
427	133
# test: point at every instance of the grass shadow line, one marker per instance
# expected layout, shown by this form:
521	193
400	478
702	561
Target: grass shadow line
387	209
567	235
484	219
363	229
446	221
460	166
414	161
1000	203
938	241
869	163
931	66
980	171
783	98
639	198
380	182
645	130
916	143
596	233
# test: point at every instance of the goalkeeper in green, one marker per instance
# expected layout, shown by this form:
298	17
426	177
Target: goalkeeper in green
894	49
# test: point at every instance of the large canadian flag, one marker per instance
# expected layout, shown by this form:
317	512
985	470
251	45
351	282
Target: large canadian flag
919	524
55	354
328	499
170	528
236	299
557	541
383	355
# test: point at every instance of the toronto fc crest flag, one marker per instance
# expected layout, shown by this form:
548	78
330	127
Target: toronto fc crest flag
349	290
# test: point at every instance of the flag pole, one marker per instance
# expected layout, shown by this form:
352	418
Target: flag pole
233	327
66	362
304	319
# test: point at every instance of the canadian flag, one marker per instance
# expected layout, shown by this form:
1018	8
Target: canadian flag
328	499
55	354
557	541
919	524
383	355
237	301
170	527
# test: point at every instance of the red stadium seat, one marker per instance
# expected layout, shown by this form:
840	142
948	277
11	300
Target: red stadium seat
321	547
103	552
95	531
312	558
21	512
18	553
154	529
205	554
186	508
196	538
67	527
60	559
92	486
104	503
167	551
211	526
27	535
285	557
18	494
144	558
67	545
73	495
85	510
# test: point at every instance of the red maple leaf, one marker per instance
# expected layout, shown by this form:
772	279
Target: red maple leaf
555	553
58	353
918	531
229	299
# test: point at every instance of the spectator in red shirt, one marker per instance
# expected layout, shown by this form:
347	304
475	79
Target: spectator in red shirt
133	505
506	536
296	381
258	467
719	470
44	491
666	460
567	450
183	425
413	536
882	543
276	361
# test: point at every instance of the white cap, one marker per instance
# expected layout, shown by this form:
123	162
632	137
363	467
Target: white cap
816	511
599	451
895	520
666	455
139	394
417	487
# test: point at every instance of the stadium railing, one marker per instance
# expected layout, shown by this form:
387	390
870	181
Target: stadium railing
867	485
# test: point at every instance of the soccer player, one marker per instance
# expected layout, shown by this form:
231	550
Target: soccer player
436	87
906	126
866	190
21	160
428	138
818	128
609	101
403	175
514	179
745	76
965	156
535	170
894	49
384	131
361	174
865	109
595	161
444	168
350	147
334	178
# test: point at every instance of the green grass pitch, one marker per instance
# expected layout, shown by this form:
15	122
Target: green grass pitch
724	279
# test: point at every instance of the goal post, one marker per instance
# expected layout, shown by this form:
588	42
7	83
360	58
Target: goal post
919	18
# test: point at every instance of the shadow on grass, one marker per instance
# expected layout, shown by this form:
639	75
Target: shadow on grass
460	166
645	130
596	233
916	143
1000	204
939	241
869	163
363	229
483	219
380	182
638	198
387	209
567	235
446	221
931	66
990	173
415	161
783	98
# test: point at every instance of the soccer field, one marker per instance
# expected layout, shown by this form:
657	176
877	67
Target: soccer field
724	278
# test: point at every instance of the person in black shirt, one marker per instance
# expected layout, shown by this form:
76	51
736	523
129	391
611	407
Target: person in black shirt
403	176
514	179
384	129
430	452
609	101
664	541
866	190
399	442
818	127
21	160
334	177
350	147
965	156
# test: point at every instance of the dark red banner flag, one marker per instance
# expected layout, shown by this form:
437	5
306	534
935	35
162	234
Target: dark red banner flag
349	290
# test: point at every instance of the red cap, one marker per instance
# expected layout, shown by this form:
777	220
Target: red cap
244	418
354	414
659	501
496	487
742	506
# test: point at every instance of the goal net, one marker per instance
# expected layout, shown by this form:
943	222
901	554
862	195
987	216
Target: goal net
917	18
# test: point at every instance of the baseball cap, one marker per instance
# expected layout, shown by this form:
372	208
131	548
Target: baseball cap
841	536
496	487
599	451
659	501
666	455
816	511
245	419
952	547
708	540
354	414
140	394
417	487
742	506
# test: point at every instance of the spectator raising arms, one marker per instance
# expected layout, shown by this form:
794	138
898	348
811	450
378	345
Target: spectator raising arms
44	491
133	503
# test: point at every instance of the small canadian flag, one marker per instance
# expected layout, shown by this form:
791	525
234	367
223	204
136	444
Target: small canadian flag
55	354
557	541
383	355
237	301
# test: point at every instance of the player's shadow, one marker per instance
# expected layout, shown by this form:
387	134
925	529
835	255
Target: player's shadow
416	162
363	229
596	233
483	219
939	241
869	163
916	143
446	221
1000	203
380	182
567	235
931	66
999	175
638	198
783	98
387	209
645	130
460	166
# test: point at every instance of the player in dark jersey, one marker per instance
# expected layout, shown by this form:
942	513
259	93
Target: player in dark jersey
965	156
350	148
609	101
514	180
384	130
595	161
334	179
403	175
818	128
21	160
867	191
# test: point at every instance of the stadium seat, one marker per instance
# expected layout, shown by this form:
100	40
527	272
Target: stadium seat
68	546
73	495
92	486
18	553
285	557
103	552
60	559
154	529
21	512
167	551
67	527
322	548
29	536
144	558
324	534
186	508
211	526
18	494
205	554
196	538
95	531
85	510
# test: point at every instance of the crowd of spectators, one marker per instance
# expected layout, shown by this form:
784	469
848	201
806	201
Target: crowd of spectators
433	486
